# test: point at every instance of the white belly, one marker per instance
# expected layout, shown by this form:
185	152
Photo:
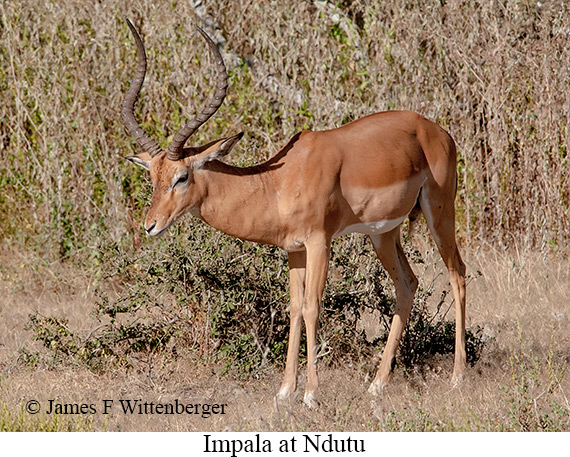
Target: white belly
371	228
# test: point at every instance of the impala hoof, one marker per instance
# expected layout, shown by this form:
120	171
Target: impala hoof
376	388
284	397
309	400
456	380
286	392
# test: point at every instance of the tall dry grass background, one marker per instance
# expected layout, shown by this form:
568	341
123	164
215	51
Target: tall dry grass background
494	74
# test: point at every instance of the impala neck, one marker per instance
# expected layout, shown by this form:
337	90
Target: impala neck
237	201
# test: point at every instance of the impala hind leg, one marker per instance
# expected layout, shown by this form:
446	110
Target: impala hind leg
297	261
456	267
441	221
389	250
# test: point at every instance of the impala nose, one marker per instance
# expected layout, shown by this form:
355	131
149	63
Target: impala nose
150	227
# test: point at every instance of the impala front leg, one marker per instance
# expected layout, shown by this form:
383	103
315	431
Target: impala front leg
297	261
315	279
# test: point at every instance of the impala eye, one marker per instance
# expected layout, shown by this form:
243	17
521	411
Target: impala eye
181	180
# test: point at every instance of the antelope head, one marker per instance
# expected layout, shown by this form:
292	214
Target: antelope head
172	170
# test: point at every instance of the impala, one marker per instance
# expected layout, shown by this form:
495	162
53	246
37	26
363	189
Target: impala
366	176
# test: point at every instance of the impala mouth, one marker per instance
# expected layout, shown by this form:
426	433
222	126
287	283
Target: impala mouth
152	231
159	233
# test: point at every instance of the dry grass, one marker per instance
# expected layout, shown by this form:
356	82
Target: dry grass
494	74
519	383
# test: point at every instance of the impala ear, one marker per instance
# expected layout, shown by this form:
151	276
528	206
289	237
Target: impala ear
143	159
212	151
227	145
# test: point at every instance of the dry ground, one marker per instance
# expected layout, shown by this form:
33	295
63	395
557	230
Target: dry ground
519	383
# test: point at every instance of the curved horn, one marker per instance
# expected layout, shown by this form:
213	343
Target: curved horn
127	109
175	148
